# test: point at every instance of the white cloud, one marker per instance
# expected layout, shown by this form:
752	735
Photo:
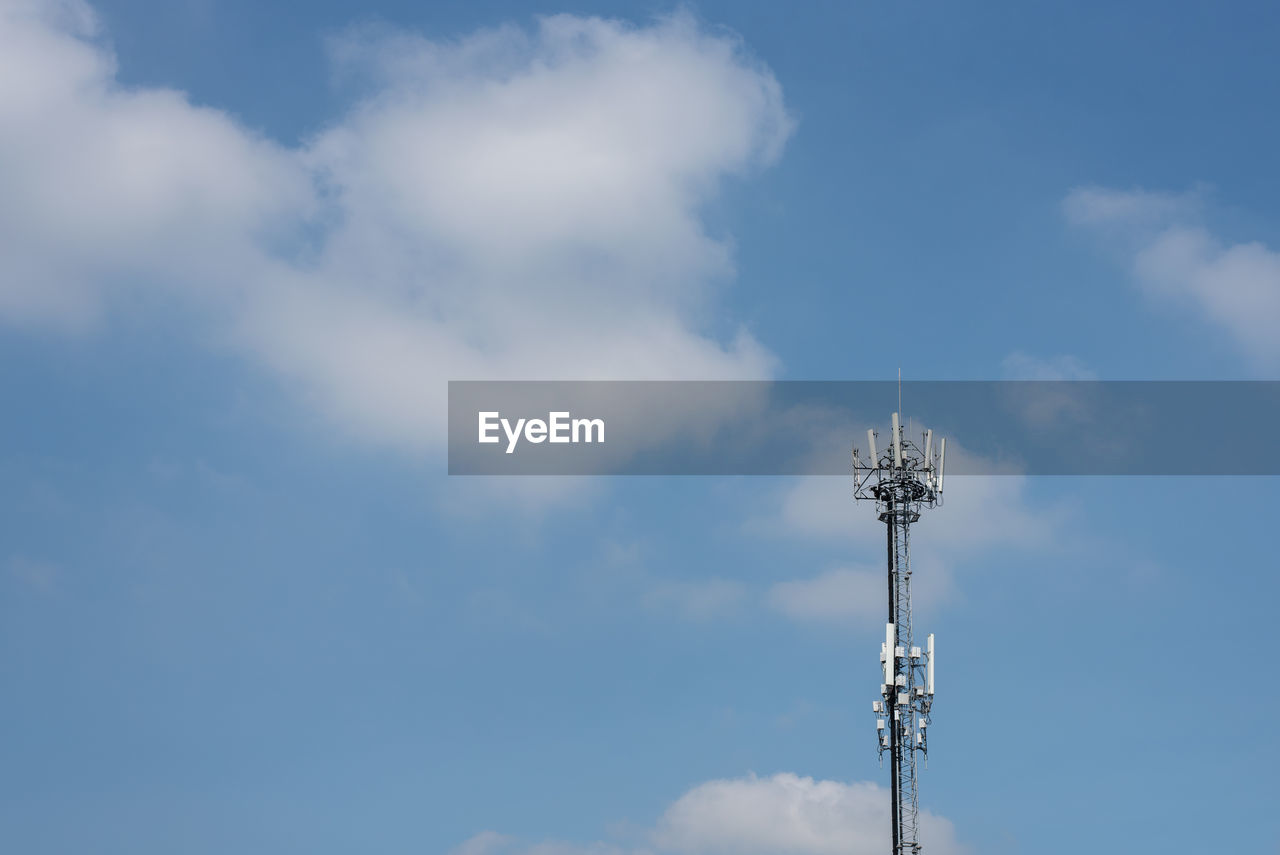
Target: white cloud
40	576
1098	206
107	188
845	593
1176	259
981	514
491	843
1024	366
699	599
785	813
558	847
1045	402
857	597
788	813
510	204
1237	286
484	843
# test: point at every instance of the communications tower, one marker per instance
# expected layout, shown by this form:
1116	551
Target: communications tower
902	481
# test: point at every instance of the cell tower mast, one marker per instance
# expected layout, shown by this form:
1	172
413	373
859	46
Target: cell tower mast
903	480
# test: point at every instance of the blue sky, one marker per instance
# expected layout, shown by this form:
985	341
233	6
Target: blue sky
243	245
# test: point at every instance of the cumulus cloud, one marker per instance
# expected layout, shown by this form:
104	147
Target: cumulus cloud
515	203
789	813
784	813
1175	258
108	188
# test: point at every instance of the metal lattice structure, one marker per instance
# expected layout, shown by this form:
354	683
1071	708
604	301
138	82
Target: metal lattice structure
903	481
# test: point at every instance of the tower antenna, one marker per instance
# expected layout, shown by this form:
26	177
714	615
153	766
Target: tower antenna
909	482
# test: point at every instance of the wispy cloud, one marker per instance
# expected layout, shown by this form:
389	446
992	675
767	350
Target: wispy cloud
1023	366
1104	206
37	575
843	594
1176	259
698	599
981	514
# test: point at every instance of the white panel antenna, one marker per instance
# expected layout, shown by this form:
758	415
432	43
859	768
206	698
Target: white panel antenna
889	666
871	444
897	443
942	463
929	671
